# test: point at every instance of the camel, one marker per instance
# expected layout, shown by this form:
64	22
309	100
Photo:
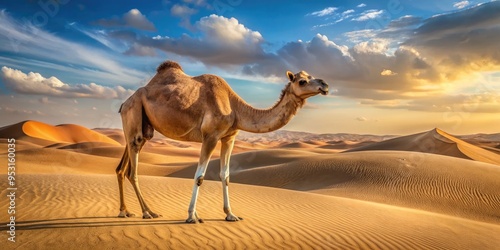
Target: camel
200	109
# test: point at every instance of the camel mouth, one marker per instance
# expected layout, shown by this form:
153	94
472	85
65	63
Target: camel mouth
323	92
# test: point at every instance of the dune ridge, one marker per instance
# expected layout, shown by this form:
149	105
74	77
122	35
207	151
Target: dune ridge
64	133
45	133
434	141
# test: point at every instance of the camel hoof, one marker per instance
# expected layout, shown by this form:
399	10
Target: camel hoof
150	215
125	214
155	215
233	218
194	221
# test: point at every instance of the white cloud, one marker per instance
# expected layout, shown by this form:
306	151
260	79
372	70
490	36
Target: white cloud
320	55
347	12
461	5
377	46
45	100
458	104
388	72
222	42
158	37
137	20
181	10
327	24
133	18
196	2
461	42
35	84
228	30
323	12
356	71
405	21
100	36
358	36
361	5
369	14
139	50
418	66
340	17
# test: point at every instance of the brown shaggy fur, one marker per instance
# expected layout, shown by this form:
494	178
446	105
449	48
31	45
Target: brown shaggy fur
168	64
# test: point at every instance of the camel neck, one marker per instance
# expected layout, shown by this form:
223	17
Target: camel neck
255	120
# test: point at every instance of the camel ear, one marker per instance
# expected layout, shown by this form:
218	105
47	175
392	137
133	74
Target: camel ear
290	75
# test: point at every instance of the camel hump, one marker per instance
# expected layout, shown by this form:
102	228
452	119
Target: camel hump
167	65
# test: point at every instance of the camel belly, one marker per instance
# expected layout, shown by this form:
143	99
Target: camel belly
193	135
177	128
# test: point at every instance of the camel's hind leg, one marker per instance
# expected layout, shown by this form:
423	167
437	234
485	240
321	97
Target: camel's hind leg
137	130
122	170
134	161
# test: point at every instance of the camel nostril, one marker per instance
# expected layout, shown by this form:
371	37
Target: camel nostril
323	83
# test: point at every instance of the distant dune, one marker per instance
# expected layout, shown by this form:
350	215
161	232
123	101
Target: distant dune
115	134
70	133
295	190
295	145
434	141
285	136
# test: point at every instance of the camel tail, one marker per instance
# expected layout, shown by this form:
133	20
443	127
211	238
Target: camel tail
133	107
123	166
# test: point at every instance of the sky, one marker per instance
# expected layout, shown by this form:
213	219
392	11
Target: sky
394	67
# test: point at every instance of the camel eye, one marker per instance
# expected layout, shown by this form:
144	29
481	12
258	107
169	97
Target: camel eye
302	82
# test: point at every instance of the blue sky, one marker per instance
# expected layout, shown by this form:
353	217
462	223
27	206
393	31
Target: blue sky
395	66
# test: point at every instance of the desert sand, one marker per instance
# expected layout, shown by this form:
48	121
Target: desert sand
430	190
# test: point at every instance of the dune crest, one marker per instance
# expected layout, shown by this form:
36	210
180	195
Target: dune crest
68	133
435	141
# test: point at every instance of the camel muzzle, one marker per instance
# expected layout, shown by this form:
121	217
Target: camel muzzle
324	88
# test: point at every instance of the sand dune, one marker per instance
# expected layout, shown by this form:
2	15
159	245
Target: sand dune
56	161
295	145
248	160
71	133
424	181
296	136
425	191
274	219
16	131
435	141
115	134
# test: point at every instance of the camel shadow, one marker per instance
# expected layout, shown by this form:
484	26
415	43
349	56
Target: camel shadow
109	221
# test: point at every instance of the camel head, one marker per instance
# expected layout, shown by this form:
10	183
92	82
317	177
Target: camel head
304	85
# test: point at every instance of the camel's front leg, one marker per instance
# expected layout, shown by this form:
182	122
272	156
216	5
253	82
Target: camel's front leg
207	148
225	155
